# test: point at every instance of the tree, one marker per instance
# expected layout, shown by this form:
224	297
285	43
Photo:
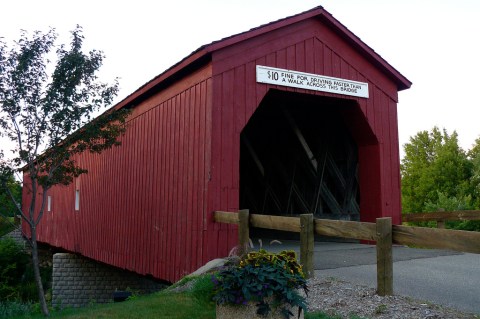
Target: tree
434	167
7	207
474	156
48	117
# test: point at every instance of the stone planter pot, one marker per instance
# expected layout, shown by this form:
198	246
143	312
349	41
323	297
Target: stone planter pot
249	311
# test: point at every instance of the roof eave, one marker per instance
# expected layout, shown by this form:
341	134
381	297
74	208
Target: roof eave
402	82
319	12
196	56
326	17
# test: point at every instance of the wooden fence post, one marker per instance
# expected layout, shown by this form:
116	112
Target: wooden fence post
307	244
384	256
243	231
441	223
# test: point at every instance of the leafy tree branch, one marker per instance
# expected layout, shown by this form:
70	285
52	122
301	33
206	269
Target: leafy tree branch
49	118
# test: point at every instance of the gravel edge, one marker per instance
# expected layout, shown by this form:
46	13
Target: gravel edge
341	298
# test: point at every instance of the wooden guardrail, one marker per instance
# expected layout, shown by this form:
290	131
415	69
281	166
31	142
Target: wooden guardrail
382	232
441	216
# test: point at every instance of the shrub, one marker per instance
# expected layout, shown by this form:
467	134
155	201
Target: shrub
13	263
271	280
10	309
6	225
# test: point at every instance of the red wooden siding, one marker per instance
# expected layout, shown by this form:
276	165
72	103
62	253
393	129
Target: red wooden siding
147	206
142	205
307	46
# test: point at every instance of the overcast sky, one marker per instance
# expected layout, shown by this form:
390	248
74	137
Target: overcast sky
435	44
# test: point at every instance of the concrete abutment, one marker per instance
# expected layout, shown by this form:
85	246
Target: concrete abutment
79	281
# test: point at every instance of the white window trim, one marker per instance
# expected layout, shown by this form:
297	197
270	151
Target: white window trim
77	200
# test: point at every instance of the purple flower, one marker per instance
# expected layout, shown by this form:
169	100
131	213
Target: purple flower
214	280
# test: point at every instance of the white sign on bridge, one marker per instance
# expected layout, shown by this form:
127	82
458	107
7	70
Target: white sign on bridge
310	81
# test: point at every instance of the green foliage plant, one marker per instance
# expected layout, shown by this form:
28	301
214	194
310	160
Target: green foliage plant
9	309
48	96
7	208
6	225
13	263
433	164
272	281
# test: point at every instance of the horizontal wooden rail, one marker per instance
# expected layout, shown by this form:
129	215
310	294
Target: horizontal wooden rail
458	240
291	224
225	217
441	216
383	232
345	229
325	227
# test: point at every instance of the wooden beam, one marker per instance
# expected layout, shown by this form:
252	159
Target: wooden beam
253	154
322	190
284	176
275	222
268	189
307	245
251	200
270	193
335	171
318	186
300	138
350	199
345	229
225	217
243	231
458	240
300	198
441	216
329	199
290	189
384	257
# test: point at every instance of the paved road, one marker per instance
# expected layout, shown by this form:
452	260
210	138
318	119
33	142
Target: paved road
442	277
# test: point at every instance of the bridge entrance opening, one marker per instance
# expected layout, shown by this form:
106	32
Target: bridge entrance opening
298	156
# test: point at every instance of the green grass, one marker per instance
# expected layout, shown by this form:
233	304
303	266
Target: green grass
160	305
163	305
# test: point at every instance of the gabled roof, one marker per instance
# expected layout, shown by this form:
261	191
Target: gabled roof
204	52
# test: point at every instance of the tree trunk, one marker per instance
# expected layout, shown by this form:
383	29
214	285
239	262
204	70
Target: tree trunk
36	272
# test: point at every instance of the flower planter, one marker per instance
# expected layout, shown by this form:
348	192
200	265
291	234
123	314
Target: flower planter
259	282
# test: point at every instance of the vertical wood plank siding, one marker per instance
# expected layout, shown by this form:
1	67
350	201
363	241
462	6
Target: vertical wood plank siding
147	206
142	204
308	46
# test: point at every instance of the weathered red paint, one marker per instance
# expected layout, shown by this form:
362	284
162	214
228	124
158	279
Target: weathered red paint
147	206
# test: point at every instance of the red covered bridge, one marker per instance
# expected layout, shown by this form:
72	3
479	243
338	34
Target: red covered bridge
295	116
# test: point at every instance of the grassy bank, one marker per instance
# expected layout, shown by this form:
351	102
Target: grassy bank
175	305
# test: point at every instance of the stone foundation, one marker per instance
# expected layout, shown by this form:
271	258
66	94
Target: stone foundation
79	281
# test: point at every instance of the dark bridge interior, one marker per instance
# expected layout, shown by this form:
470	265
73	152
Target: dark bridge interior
297	157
